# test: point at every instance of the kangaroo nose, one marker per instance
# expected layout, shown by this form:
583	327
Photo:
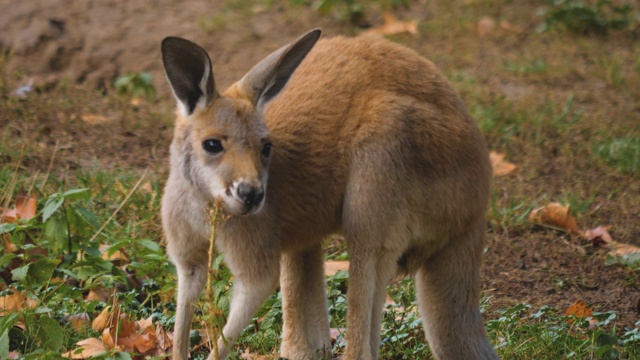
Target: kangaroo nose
250	195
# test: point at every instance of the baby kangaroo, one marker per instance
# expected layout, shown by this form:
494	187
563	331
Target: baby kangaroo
356	136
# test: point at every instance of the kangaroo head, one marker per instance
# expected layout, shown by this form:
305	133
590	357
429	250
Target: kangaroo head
221	141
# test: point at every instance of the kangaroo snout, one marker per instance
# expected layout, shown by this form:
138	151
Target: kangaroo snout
245	198
252	196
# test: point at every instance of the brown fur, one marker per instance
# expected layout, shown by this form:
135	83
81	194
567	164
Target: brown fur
369	140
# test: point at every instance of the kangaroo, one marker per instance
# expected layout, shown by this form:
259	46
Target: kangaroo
358	136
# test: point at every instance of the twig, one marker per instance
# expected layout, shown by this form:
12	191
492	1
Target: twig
213	312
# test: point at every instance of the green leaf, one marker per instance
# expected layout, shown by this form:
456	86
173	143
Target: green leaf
4	345
6	259
56	231
76	194
51	206
42	270
8	320
50	333
20	274
7	228
87	216
151	245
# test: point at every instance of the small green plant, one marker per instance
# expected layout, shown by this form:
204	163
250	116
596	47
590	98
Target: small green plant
590	17
622	153
136	84
537	66
354	10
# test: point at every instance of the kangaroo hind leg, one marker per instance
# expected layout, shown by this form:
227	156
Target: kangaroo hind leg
448	291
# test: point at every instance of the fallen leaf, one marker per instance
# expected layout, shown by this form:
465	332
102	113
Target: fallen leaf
621	249
144	342
8	245
163	339
505	25
579	309
392	26
79	322
247	354
16	302
98	294
335	332
555	215
145	323
25	208
108	339
94	119
500	166
88	348
332	267
485	26
600	237
105	319
118	256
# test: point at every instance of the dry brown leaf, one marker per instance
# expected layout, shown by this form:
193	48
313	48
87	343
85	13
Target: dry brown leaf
600	237
505	25
8	245
145	323
579	309
485	26
335	332
501	167
103	320
164	340
620	249
108	339
332	267
555	215
25	208
392	26
247	354
98	294
94	119
87	349
145	342
79	322
118	257
16	302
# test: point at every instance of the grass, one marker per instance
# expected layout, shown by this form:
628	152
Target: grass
568	119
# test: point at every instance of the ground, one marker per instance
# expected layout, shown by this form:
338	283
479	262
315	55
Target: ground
549	101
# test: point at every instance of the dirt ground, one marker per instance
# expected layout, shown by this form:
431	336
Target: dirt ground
79	47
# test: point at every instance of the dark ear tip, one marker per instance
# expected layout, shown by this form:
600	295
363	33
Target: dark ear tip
172	41
315	33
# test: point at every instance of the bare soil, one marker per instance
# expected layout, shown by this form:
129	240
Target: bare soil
73	50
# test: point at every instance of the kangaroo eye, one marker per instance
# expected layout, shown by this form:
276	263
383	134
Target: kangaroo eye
266	150
212	146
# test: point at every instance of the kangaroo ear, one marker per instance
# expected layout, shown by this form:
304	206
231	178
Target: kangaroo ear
267	78
188	69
